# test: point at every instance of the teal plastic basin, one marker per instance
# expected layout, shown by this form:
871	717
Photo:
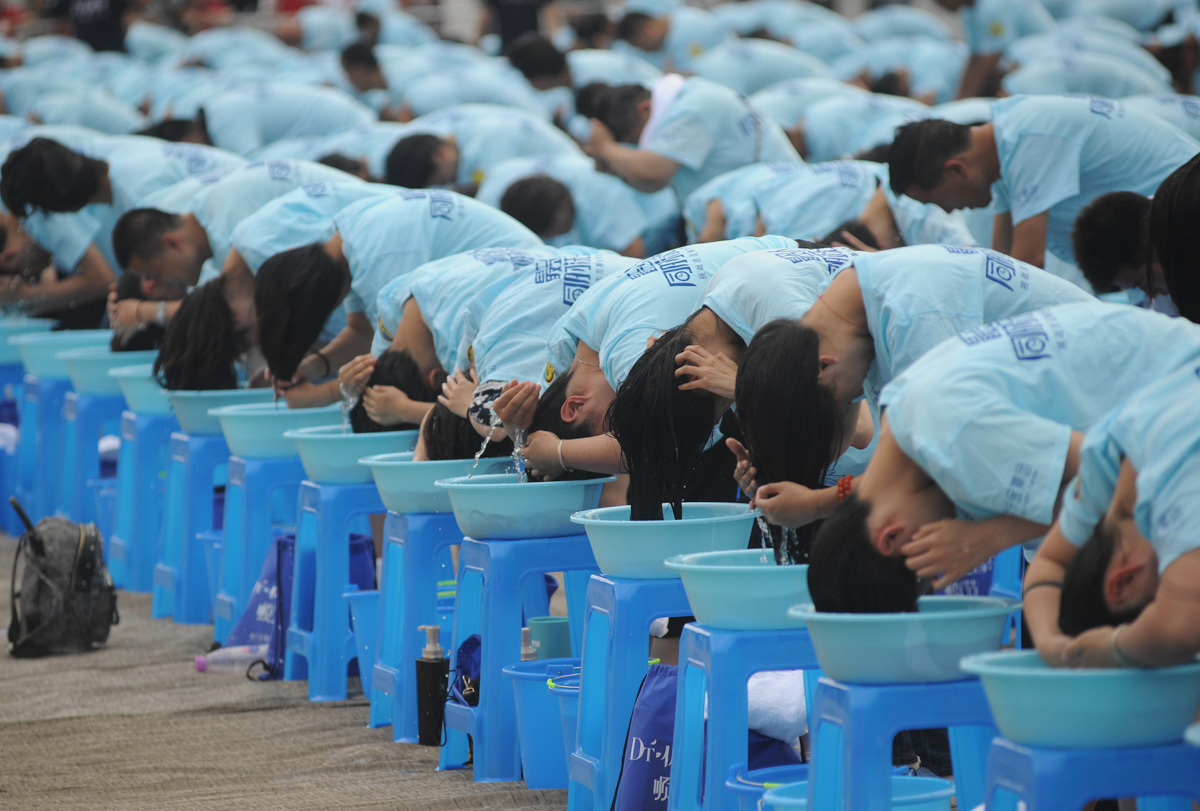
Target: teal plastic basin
566	690
1037	705
921	646
89	366
408	487
19	325
256	430
330	455
39	350
1192	735
908	793
743	590
142	393
498	507
192	407
638	549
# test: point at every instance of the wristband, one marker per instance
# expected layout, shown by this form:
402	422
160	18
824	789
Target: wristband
561	463
1122	659
1057	584
160	314
328	367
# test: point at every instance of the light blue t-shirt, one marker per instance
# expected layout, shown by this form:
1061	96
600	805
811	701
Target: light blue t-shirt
809	203
471	84
246	119
735	190
710	130
617	315
1082	72
1158	431
1182	111
900	21
442	289
990	25
753	289
228	46
924	223
611	67
389	237
787	103
933	66
692	32
509	342
89	108
834	126
1057	154
989	414
747	66
1064	40
607	214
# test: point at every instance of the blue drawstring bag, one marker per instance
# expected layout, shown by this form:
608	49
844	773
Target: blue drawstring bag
467	662
645	777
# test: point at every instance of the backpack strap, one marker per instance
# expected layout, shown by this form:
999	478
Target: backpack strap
18	646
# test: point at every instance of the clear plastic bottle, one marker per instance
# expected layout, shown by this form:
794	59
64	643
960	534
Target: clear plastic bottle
231	660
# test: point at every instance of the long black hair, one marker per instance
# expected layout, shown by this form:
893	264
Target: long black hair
397	369
144	336
1174	239
294	292
201	343
449	436
46	176
662	430
1082	605
792	425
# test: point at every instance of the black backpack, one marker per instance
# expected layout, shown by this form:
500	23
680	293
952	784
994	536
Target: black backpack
67	601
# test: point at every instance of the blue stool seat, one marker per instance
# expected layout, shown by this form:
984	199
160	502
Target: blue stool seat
852	726
720	663
86	417
180	587
416	557
494	586
260	496
320	644
615	660
40	456
141	484
1161	777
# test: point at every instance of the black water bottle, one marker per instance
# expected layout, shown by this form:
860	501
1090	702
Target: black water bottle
433	674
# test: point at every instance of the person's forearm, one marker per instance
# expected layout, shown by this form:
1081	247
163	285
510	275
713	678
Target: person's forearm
1160	637
348	344
975	75
596	454
644	171
1040	603
89	282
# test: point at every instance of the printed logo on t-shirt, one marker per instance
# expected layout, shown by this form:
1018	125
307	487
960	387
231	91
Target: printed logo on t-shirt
1029	336
1102	107
316	189
996	28
279	170
1001	271
674	266
549	373
960	249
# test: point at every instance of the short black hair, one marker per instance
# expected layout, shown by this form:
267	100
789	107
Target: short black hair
1082	605
171	129
359	55
857	228
920	150
535	56
339	161
588	99
847	575
616	108
46	176
138	234
592	27
631	24
892	83
397	369
536	201
1174	237
294	293
410	163
1110	234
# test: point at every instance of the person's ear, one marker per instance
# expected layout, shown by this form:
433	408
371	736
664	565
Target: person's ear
825	362
956	168
434	378
643	109
572	408
171	240
651	341
1120	582
887	539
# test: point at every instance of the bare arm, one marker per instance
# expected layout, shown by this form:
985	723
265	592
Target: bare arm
643	170
635	249
1029	240
979	68
88	283
1041	604
1002	233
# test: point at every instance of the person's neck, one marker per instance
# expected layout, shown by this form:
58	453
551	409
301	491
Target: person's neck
983	151
839	317
104	190
194	232
712	333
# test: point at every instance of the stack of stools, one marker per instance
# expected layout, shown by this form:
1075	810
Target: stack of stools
11	377
86	416
41	449
496	580
615	646
133	547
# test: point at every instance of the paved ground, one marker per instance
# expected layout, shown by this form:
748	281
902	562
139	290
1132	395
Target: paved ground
134	726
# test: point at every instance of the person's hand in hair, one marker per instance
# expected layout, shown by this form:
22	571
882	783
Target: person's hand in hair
744	471
458	391
944	551
701	369
386	405
123	314
599	141
848	240
516	405
541	456
307	395
1092	648
787	504
354	375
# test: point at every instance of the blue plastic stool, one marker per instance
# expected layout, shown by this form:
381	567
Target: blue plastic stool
85	419
416	556
320	644
141	484
615	646
180	587
12	376
493	588
1007	574
41	449
1064	779
720	663
260	496
364	620
852	728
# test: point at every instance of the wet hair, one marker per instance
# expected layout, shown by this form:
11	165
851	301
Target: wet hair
857	228
410	163
201	343
536	203
46	176
616	108
535	56
1109	235
171	129
547	416
359	55
846	574
631	25
397	369
791	424
920	150
449	436
1082	605
662	430
876	154
138	234
1174	238
294	293
339	161
144	336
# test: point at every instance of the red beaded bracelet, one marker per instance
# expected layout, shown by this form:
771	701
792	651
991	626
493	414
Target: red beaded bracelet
843	488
